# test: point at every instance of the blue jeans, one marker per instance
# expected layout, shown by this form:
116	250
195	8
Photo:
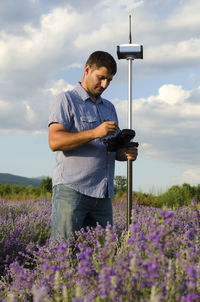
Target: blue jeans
72	211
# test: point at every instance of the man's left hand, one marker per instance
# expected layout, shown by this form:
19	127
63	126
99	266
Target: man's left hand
131	153
125	153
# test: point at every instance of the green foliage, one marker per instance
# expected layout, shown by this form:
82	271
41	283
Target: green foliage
174	197
179	196
120	185
46	184
147	199
17	192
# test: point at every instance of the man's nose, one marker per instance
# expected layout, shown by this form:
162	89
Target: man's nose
104	83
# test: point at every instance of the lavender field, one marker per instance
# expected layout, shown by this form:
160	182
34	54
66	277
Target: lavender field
157	259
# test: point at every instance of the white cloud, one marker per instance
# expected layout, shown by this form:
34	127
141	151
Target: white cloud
50	42
63	32
186	16
31	116
191	175
43	45
4	106
179	53
16	118
171	95
59	86
167	125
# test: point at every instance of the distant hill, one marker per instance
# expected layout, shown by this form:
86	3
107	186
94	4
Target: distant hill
19	180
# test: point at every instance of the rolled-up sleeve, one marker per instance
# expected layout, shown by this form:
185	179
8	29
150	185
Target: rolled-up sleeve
60	112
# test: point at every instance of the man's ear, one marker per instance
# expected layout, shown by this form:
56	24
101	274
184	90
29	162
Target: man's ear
87	69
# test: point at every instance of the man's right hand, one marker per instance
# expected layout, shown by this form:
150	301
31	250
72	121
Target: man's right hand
106	128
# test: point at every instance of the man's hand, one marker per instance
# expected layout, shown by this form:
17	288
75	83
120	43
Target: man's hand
126	153
131	153
106	128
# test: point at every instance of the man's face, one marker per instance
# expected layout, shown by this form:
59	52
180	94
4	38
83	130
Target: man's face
96	80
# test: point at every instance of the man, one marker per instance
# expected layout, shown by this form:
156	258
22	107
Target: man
79	122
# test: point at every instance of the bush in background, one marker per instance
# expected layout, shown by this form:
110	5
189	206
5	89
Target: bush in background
17	192
174	197
179	196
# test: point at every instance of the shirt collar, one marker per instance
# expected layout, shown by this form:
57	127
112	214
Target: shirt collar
84	95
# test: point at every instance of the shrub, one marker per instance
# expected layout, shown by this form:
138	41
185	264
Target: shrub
179	196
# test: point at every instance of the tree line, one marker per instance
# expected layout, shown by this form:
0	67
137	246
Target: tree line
18	192
176	196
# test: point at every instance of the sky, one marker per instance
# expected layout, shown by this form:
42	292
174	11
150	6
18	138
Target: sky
44	45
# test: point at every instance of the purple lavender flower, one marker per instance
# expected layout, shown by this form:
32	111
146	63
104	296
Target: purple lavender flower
192	271
157	258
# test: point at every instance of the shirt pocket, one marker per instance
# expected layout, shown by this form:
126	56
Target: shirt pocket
88	122
109	116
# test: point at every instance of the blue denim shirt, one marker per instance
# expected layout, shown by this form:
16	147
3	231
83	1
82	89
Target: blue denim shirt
88	169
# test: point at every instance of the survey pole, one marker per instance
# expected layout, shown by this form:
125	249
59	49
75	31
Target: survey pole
129	162
129	52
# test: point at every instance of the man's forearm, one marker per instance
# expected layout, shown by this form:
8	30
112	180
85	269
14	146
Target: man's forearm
64	141
61	139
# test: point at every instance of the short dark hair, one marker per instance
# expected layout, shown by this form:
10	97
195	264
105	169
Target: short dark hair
102	59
